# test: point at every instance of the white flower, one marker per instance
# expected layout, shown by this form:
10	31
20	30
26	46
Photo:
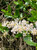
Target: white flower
17	28
11	24
4	23
20	22
31	24
16	20
20	26
23	22
24	34
34	31
16	23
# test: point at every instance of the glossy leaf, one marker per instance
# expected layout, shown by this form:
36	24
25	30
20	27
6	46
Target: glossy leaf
29	41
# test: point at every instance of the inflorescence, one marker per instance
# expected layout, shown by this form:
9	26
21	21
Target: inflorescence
23	27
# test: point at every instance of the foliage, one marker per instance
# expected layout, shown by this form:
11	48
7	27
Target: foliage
34	16
2	29
28	40
7	14
22	9
18	35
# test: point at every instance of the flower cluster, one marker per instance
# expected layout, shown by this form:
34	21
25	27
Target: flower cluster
21	27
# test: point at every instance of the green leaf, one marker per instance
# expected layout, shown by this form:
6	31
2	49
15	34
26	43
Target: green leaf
17	13
32	19
9	9
21	15
27	0
16	2
34	13
29	41
34	16
7	14
3	28
18	35
33	5
4	11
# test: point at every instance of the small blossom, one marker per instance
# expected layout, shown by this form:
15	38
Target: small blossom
4	23
24	34
23	22
34	31
11	24
20	26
